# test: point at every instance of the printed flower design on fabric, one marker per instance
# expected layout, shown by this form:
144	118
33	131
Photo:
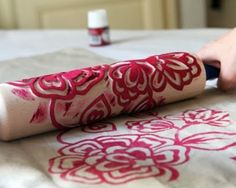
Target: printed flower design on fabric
150	125
118	159
203	116
151	152
206	116
188	118
186	121
86	95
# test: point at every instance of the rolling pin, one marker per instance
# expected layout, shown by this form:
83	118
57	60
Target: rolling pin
67	99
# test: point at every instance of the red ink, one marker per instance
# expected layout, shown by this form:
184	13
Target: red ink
118	159
150	126
99	127
129	87
98	29
206	116
175	69
97	110
40	114
67	107
150	152
23	93
99	36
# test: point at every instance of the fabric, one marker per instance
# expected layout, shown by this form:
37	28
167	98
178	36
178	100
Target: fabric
185	144
86	95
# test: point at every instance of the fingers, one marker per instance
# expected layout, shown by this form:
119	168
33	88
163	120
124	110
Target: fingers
226	84
227	77
209	52
221	53
213	55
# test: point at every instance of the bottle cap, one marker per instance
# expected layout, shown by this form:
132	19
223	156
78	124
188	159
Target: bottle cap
97	18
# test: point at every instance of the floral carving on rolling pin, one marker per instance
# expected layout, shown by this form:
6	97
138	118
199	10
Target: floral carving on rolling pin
143	77
99	127
175	69
89	94
131	79
64	85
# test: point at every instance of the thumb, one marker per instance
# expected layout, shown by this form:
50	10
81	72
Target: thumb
225	84
209	53
227	78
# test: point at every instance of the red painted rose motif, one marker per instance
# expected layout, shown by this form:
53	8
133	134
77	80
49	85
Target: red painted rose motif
118	159
146	104
99	127
207	116
156	150
150	125
175	69
122	87
131	79
97	110
64	85
84	79
143	77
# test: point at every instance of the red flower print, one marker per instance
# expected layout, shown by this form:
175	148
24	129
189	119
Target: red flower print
53	86
157	149
99	127
176	69
146	104
97	110
206	116
61	89
64	85
210	140
84	79
130	80
118	159
122	87
150	125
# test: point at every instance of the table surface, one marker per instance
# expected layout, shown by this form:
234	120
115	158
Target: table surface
125	44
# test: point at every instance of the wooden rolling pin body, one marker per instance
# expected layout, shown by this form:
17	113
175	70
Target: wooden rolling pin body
36	105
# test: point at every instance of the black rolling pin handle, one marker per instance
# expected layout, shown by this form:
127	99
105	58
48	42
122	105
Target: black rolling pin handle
211	72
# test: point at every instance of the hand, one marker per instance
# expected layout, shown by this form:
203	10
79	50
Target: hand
221	53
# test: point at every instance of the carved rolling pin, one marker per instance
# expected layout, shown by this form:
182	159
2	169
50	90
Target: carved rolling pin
36	105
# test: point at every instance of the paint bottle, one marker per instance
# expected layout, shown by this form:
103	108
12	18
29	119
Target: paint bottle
98	28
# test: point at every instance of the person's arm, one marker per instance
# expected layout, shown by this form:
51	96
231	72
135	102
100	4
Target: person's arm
221	53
